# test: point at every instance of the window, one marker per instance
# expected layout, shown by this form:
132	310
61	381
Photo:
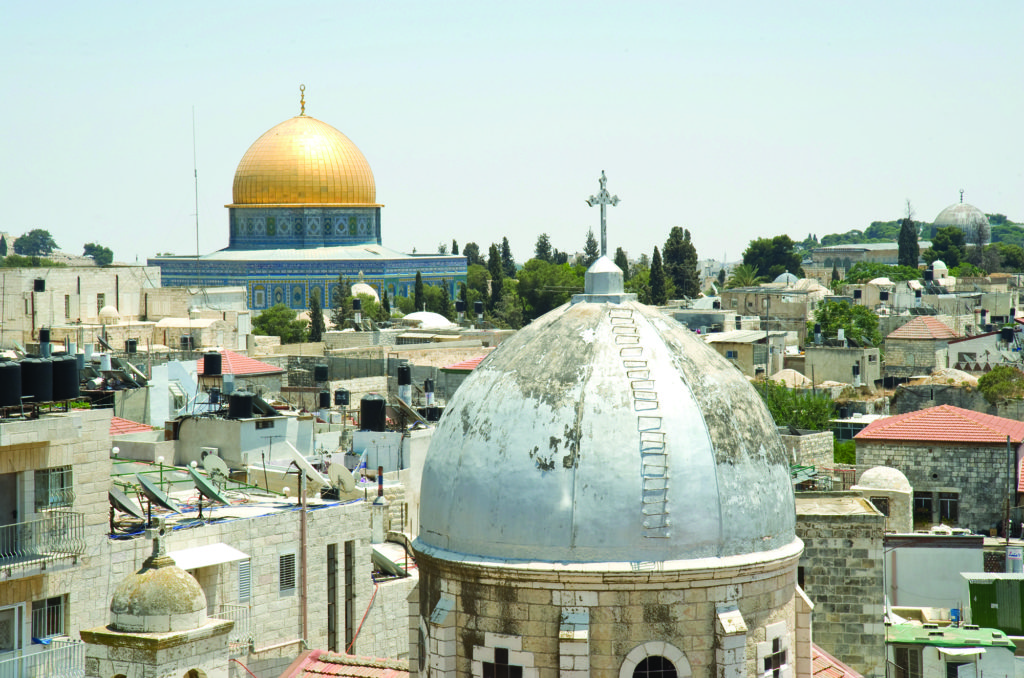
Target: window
882	504
949	507
244	581
500	667
776	661
48	617
923	507
265	423
908	662
286	574
655	667
54	488
67	306
953	669
732	354
101	301
259	297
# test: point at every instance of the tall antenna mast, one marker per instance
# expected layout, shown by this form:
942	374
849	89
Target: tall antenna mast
195	174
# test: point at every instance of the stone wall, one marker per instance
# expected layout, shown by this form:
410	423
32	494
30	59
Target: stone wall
810	449
910	357
975	473
843	576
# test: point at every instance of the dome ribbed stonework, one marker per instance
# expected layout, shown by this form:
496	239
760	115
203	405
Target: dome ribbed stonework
303	161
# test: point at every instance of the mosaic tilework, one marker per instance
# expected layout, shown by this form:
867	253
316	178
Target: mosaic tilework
262	228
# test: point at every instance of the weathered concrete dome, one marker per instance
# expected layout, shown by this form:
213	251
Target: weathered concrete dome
884	478
159	598
969	219
605	432
787	278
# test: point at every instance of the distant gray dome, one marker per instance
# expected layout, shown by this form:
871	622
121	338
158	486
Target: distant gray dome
605	432
968	219
884	478
787	278
939	265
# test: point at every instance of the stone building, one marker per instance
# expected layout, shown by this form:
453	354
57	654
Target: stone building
751	351
956	460
841	572
607	497
781	305
836	363
890	492
919	347
305	211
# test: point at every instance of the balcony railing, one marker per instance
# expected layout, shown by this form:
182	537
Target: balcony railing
59	659
51	536
241	633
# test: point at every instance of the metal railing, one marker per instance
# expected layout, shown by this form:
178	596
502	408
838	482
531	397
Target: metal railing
59	659
51	536
241	632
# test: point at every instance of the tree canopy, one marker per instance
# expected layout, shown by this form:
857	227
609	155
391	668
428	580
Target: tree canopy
859	323
1004	382
743	275
544	286
591	250
542	248
659	281
497	271
101	255
772	257
947	246
622	262
472	253
864	271
508	264
804	410
280	321
909	250
37	242
680	260
341	303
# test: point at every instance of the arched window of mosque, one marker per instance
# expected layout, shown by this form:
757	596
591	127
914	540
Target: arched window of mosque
298	299
655	666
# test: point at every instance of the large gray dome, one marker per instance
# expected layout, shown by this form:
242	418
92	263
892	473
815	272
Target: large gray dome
969	219
605	432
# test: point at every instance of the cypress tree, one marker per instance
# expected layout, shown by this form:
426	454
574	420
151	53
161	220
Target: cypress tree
659	283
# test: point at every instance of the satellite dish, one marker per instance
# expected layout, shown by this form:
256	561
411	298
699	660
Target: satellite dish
122	503
215	466
155	494
341	477
207	489
307	468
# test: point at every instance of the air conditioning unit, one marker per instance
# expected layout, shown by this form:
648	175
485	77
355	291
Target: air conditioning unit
204	451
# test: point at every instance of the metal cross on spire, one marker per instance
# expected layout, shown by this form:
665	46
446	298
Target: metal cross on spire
603	199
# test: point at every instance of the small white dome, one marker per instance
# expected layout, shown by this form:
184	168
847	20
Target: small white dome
939	265
109	313
363	288
881	282
430	321
884	478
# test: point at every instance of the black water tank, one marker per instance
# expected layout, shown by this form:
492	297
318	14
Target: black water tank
428	386
37	380
65	378
44	335
10	383
214	396
716	305
341	397
478	307
131	345
373	412
212	365
1006	334
929	275
38	285
404	375
240	405
883	296
844	412
917	294
460	306
320	373
433	413
357	304
856	294
817	328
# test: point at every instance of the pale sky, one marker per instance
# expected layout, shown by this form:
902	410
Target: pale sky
735	120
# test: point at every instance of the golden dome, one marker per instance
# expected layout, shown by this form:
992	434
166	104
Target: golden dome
303	161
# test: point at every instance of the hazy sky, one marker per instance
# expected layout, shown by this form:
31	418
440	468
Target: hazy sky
481	120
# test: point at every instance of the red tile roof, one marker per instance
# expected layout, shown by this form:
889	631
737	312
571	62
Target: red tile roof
944	423
235	363
120	427
465	365
923	327
825	665
317	663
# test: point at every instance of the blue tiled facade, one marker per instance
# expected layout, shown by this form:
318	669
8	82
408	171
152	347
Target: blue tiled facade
301	227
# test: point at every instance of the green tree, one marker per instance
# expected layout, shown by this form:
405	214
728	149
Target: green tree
100	254
859	323
3	246
341	303
279	321
316	317
1011	257
455	246
543	286
835	273
772	257
622	262
909	250
864	271
721	277
659	280
559	257
372	308
803	410
497	271
591	250
680	261
472	253
542	248
418	300
446	307
639	283
743	275
37	242
385	303
947	245
18	261
442	248
1003	383
404	305
967	270
508	264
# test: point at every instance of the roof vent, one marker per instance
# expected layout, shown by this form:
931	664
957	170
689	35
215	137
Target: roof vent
931	626
972	627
